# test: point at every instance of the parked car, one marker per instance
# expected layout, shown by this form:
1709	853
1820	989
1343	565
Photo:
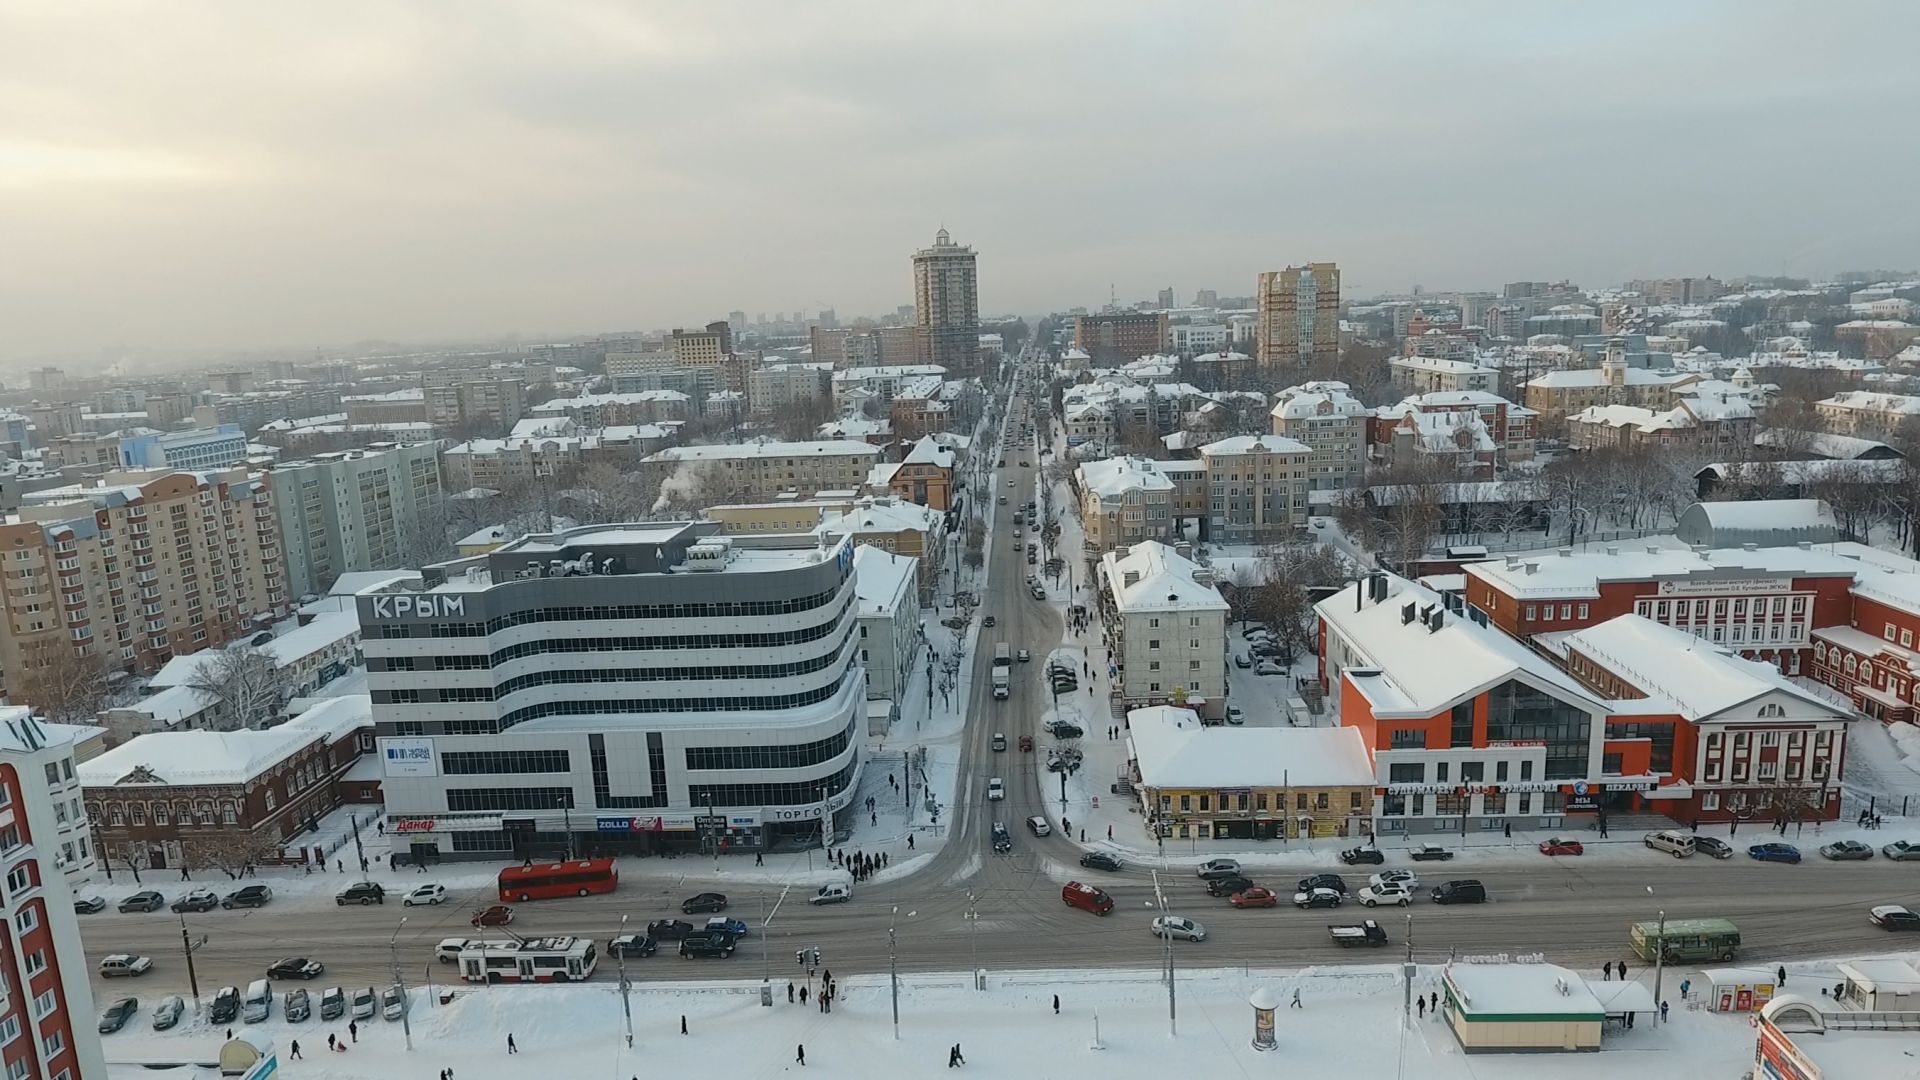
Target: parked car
1257	896
166	1011
298	1006
1429	853
632	946
1404	878
1354	856
1240	660
1317	898
425	894
1558	846
703	902
832	893
247	896
1712	845
363	1003
1387	892
1268	667
1901	850
1894	917
226	1005
1322	881
197	900
1060	729
393	1002
1774	852
124	965
1100	860
669	929
89	905
361	892
1213	868
1227	886
145	900
1846	851
297	967
333	1003
1173	926
1235	716
493	915
117	1015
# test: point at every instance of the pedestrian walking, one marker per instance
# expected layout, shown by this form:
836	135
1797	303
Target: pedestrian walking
294	1049
1684	984
757	860
330	1038
183	874
340	866
1109	832
511	1047
353	1029
789	991
1056	1004
1663	1012
1622	967
381	826
803	995
1508	830
1433	1002
683	1023
909	841
1782	973
1421	1004
1607	971
800	1053
873	819
1295	1004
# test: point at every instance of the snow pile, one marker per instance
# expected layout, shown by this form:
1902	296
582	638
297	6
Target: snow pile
1906	740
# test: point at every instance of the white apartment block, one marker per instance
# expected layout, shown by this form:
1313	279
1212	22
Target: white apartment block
1424	374
890	638
1862	412
1333	425
1172	624
742	472
354	510
881	382
1256	488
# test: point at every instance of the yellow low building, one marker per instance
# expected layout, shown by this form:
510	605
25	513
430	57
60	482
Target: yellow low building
1239	783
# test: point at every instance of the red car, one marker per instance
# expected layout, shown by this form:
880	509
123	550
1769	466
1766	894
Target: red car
497	915
1254	897
1557	846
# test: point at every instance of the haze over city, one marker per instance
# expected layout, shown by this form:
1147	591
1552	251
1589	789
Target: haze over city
221	175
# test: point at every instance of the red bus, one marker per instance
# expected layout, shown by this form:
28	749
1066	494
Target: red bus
544	881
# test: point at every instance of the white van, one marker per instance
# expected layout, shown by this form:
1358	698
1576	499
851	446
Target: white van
1038	826
258	1004
1677	844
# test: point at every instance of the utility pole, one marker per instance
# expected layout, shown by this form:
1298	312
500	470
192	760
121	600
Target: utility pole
393	953
973	936
188	945
893	970
566	816
766	931
1659	964
626	1006
1407	969
1166	936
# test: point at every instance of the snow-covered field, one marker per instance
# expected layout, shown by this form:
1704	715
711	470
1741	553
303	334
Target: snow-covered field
1111	1024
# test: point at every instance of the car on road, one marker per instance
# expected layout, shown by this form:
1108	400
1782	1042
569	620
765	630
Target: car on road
1317	898
297	967
987	621
1462	891
1894	917
145	900
1774	852
1219	868
1428	853
1354	856
364	1002
124	965
167	1011
89	905
1557	846
669	929
1227	886
703	902
1026	743
1173	926
1257	896
1322	881
1025	465
333	1003
1406	878
226	1005
1235	716
117	1015
1100	860
393	1002
1012	483
494	915
1846	851
298	1006
1387	892
1001	464
720	924
247	896
197	900
1901	850
996	789
836	892
1268	667
361	892
999	740
632	946
1002	839
1712	845
693	945
1023	655
425	894
1240	660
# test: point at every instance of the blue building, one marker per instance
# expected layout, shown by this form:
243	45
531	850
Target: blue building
202	448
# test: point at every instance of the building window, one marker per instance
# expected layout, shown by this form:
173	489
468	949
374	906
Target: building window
1406	773
1709	800
1462	733
1473	772
227	814
9	1029
1408	739
1887	631
1440	772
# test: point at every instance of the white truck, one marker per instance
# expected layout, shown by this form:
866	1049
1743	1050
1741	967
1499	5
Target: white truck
1002	670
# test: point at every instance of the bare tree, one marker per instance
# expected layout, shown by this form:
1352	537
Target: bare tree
230	851
602	493
247	684
65	685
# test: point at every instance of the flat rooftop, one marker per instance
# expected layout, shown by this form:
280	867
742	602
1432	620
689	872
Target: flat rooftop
627	549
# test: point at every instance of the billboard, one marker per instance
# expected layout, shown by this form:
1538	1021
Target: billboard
409	757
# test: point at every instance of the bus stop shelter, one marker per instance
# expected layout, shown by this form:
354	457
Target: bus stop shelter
1621	998
1738	989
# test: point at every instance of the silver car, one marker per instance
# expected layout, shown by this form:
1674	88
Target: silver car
1173	926
166	1012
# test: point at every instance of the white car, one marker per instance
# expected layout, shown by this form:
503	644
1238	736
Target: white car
1235	716
128	964
1387	892
425	894
364	1003
1406	879
1219	868
1173	926
995	789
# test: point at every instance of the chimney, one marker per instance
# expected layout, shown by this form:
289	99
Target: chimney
1533	568
1565	553
1749	547
1132	578
1612	549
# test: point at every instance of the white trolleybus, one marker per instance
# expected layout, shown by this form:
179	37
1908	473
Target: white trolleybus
554	959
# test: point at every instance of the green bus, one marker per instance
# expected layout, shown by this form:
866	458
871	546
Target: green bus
1686	939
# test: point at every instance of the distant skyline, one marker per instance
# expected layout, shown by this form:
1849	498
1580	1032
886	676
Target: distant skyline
228	174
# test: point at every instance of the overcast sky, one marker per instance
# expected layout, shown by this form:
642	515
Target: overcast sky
186	174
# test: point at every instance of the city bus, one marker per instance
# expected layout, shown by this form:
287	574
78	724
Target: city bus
555	959
1686	939
544	881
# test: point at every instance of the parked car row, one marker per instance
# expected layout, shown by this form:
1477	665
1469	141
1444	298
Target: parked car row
255	1004
247	896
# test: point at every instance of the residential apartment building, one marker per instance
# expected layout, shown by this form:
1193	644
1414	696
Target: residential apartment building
1246	783
946	302
463	400
1119	336
642	675
1257	488
1333	425
47	1018
871	346
407	406
765	470
1194	339
354	510
202	448
890	636
1408	436
521	459
1298	313
140	569
1864	412
1556	395
710	347
1170	625
773	387
1124	501
920	409
614	410
255	410
880	383
1426	374
1692	423
1514	427
923	475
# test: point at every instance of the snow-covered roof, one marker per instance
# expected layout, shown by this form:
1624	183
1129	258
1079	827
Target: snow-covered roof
1727	524
1868	401
1819	470
1317	399
197	757
173	705
1473	491
929	451
1821	443
1173	750
1491	990
1577	378
1442	432
882	580
736	451
854	427
1678	418
325	631
1698	679
881	514
334	717
1255	444
634	397
49	734
1151	576
1116	476
354	582
890	371
1574	575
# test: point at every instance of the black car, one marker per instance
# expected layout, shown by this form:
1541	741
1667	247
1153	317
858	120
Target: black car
632	945
1099	860
297	967
149	900
669	929
1322	881
118	1014
247	896
226	1005
197	900
706	901
707	944
1002	839
1354	856
1893	917
1227	886
361	892
89	905
1063	730
1712	845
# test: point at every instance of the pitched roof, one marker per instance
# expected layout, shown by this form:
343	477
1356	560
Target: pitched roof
1153	577
1697	678
1173	750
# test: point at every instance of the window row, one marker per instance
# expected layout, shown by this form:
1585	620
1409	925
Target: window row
772	757
179	812
578	676
736	610
538	798
793	793
472	762
664	642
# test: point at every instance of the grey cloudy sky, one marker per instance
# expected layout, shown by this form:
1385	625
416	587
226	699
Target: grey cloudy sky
186	174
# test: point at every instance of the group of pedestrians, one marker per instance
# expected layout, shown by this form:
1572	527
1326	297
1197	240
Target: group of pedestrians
862	865
1606	971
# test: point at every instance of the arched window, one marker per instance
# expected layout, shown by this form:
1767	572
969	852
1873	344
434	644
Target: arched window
1819	650
1772	710
206	813
159	813
228	816
1851	664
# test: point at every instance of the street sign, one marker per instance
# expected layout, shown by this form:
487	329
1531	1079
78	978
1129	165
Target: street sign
710	821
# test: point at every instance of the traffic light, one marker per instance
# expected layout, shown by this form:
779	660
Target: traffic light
816	956
800	957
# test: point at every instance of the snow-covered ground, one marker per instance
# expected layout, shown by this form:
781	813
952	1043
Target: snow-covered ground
1110	1024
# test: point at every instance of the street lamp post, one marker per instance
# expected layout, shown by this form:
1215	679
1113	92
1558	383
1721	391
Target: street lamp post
626	1006
1659	964
188	945
973	936
893	971
1166	934
393	953
566	818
